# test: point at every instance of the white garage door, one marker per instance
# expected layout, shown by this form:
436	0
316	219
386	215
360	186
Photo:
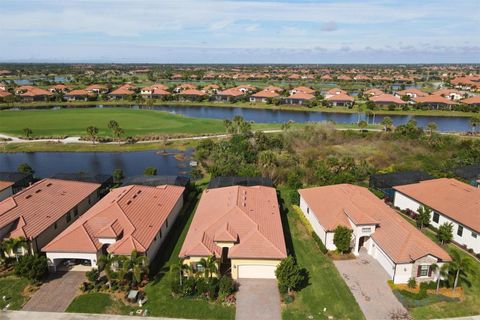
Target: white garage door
256	271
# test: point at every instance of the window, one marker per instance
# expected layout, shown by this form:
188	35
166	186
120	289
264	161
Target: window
366	229
423	271
199	267
474	235
460	231
69	217
436	217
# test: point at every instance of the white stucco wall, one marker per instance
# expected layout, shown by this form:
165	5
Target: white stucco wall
376	252
326	237
467	238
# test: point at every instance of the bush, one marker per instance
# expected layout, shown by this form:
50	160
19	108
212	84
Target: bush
341	238
93	275
290	276
34	268
226	286
412	283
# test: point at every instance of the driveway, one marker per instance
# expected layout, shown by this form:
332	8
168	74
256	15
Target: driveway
56	293
258	299
367	280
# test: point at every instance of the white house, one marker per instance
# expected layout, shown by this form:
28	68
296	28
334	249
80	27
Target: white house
451	201
402	250
127	219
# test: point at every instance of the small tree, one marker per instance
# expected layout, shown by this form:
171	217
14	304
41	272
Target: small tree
432	127
27	132
93	275
25	168
289	275
362	125
34	267
118	176
460	266
387	123
442	273
445	233
412	283
423	217
341	238
150	171
92	132
12	245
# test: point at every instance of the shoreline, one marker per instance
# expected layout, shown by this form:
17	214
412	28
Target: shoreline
245	105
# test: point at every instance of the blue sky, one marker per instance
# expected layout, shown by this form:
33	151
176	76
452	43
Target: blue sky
218	31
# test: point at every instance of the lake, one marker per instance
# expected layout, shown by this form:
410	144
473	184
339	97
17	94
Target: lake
47	164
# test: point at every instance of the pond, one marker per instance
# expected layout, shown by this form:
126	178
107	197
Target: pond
47	164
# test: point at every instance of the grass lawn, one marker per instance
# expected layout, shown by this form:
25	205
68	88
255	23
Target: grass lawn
13	288
327	288
160	301
97	303
469	306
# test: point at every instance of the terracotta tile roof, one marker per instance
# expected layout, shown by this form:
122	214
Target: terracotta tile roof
265	94
40	205
273	88
304	90
326	77
335	91
446	92
5	184
136	213
453	198
374	92
96	87
340	97
125	90
301	96
386	98
192	92
234	92
414	91
249	216
4	94
79	92
433	99
397	237
31	91
472	100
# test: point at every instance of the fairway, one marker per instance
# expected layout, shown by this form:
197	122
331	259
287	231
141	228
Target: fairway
73	122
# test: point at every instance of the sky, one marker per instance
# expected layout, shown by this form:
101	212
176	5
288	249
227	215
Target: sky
237	31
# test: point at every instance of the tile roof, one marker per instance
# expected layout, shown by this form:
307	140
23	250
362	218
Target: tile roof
192	92
455	199
414	91
126	89
387	98
5	184
433	99
136	213
401	241
340	97
4	94
235	92
37	207
250	216
265	94
472	100
335	91
301	96
31	91
304	89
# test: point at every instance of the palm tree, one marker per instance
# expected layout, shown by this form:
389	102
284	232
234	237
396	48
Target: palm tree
387	123
209	266
138	265
432	126
105	263
12	245
179	267
460	266
92	132
442	273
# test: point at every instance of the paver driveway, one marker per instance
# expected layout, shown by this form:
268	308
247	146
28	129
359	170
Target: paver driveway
56	293
367	280
258	299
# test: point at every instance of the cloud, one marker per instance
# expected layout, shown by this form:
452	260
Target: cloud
329	26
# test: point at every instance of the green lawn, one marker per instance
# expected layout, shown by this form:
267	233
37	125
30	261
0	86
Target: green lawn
97	303
13	288
327	288
160	301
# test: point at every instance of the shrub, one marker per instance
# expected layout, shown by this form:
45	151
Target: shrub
226	286
92	275
412	283
188	287
201	287
290	276
34	268
341	238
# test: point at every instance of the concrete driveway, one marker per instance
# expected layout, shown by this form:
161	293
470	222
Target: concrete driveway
57	292
368	282
258	299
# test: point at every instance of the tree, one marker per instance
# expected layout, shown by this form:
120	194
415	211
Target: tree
209	266
178	268
105	263
27	132
474	122
362	125
93	275
445	233
460	266
150	171
423	217
92	132
341	238
289	275
237	125
33	267
267	161
137	265
432	127
387	123
12	245
25	168
117	132
442	273
118	176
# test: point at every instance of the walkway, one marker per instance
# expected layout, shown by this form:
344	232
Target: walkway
258	299
367	280
22	315
57	293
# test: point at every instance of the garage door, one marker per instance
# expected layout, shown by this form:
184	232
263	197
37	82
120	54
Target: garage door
256	271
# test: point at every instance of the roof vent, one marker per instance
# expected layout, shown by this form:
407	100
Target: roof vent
28	197
129	201
39	190
49	184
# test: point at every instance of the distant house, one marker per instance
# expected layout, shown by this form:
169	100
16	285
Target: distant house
451	94
229	94
400	248
334	92
299	98
326	77
386	100
241	227
211	89
40	212
411	93
263	96
472	101
373	92
342	99
31	93
344	78
470	82
155	91
59	88
20	180
192	94
302	89
361	78
80	94
4	94
184	86
451	201
97	89
434	101
128	218
122	92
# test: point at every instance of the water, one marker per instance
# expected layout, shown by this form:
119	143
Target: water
444	123
47	164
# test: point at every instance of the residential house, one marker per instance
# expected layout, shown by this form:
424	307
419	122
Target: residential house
241	227
128	218
387	100
411	93
334	92
299	98
211	89
451	201
433	101
43	210
123	91
263	96
4	94
155	91
472	101
80	94
451	94
192	94
344	78
97	89
59	88
228	94
373	92
342	99
302	89
31	93
400	248
184	86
